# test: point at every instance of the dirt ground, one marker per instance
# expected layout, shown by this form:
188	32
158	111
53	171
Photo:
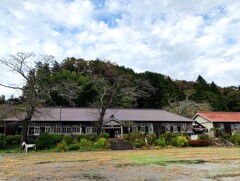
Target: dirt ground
165	164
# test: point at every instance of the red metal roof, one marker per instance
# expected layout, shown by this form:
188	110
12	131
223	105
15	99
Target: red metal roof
220	116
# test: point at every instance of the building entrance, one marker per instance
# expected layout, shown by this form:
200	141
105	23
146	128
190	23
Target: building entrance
114	133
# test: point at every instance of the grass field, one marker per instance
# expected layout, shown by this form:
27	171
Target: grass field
208	163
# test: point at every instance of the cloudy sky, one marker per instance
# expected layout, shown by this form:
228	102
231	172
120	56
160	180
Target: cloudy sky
179	38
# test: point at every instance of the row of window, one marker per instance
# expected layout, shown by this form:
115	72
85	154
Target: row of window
37	128
143	127
64	129
176	129
234	126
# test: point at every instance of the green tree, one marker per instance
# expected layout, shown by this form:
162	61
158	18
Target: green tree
233	101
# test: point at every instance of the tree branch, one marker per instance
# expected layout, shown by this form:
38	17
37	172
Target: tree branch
11	87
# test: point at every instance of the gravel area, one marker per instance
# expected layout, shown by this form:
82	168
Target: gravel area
150	165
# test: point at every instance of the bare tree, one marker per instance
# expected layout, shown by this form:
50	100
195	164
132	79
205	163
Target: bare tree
24	65
33	89
112	92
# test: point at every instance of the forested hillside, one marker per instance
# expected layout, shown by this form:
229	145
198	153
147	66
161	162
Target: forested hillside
80	83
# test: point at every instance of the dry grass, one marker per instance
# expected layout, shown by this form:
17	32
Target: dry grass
166	164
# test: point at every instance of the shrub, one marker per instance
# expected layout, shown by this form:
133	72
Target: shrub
126	137
76	138
56	138
136	135
62	146
168	137
9	139
82	136
84	143
31	141
68	139
151	137
17	139
44	141
74	146
235	138
203	137
138	143
3	141
91	137
102	143
180	141
198	142
161	141
104	135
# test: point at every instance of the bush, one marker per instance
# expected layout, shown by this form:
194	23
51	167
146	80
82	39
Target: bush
161	142
9	139
203	137
31	141
102	143
73	147
126	137
56	138
84	143
180	141
235	138
138	143
76	138
62	146
68	139
44	141
91	137
104	135
167	136
198	142
17	139
151	137
3	141
136	135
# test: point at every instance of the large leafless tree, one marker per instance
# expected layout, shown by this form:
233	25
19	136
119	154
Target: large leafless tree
33	90
111	93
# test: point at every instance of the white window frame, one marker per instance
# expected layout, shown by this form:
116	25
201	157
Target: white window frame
88	130
142	129
76	129
150	128
134	128
36	130
167	128
175	129
67	129
183	128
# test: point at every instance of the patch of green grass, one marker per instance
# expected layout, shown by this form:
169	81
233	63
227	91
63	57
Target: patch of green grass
162	160
11	150
151	159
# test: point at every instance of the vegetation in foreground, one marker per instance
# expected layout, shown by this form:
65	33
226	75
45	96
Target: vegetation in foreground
93	142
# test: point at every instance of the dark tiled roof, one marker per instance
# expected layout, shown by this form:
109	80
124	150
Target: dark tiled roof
90	114
220	116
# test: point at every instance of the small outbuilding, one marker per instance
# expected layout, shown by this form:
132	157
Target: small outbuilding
227	122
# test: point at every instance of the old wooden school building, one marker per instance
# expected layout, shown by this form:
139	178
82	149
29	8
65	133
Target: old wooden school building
74	121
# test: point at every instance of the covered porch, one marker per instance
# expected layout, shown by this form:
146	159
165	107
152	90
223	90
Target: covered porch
113	127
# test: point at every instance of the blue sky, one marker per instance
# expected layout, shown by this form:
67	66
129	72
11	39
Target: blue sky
182	39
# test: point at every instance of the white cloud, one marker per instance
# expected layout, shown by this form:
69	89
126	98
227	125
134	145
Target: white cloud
178	38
